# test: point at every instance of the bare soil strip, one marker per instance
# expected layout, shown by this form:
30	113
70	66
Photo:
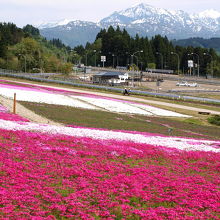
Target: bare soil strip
26	113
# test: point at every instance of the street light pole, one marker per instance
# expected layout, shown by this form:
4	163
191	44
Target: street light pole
117	60
178	71
198	61
141	66
132	61
137	60
113	61
86	58
207	54
161	59
39	53
95	56
25	63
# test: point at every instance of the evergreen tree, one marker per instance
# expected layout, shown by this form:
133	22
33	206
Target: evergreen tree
31	31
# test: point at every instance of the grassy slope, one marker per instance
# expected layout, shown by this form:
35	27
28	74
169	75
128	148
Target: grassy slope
193	127
100	119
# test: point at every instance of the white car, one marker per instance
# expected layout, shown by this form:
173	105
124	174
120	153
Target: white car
183	83
192	84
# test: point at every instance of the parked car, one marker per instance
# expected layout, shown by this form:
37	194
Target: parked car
185	83
192	84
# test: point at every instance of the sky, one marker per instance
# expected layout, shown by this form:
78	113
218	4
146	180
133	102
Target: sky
22	12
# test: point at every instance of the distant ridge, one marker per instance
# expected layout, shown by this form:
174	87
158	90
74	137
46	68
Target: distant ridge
142	19
199	42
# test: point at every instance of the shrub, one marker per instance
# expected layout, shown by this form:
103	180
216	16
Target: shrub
214	120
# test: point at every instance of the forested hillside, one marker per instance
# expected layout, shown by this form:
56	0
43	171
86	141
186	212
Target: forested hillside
121	49
25	50
199	42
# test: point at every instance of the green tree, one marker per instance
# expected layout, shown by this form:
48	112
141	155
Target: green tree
28	52
31	31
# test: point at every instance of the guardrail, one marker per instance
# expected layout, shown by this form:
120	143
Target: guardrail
138	92
9	71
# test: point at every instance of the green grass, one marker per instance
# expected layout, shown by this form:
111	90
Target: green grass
209	106
214	120
194	121
215	95
107	120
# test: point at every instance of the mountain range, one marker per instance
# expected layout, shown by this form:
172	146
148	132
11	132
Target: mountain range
142	19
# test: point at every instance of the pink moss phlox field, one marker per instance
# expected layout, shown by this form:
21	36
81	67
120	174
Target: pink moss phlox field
12	117
142	133
52	176
46	176
182	143
116	130
3	108
32	87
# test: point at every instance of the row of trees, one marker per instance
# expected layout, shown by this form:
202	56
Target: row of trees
158	52
24	49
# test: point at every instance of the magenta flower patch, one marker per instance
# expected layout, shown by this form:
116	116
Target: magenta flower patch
46	176
11	117
54	172
3	108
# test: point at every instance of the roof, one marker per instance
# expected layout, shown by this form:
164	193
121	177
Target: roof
110	73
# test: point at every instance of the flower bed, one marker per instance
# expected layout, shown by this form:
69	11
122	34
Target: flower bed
5	115
58	176
12	117
51	172
101	134
49	95
3	108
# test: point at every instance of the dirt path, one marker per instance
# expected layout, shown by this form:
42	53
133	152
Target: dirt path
26	113
130	98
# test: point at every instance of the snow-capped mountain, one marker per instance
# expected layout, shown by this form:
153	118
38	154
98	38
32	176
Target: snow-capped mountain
73	33
52	24
143	19
209	14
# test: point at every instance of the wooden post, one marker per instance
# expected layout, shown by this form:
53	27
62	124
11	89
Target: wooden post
14	106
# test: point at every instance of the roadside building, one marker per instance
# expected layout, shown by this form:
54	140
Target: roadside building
110	78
